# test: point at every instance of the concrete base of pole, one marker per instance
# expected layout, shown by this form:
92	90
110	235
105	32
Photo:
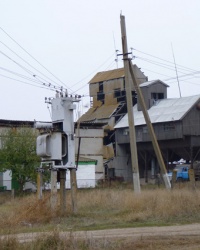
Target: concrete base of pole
136	182
167	181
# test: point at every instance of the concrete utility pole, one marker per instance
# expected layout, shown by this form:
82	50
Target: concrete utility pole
134	158
150	129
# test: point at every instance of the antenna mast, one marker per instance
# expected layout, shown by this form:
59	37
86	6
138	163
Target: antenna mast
176	71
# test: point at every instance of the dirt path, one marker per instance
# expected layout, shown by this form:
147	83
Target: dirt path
134	233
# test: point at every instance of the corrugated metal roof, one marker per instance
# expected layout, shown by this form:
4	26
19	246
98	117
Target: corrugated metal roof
165	110
146	84
107	75
103	112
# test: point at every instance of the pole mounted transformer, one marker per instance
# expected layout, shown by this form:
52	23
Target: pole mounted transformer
56	144
56	147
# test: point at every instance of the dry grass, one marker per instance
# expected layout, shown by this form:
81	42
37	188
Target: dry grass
54	242
102	208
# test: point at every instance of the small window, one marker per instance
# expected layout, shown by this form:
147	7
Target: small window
100	86
100	96
157	96
117	93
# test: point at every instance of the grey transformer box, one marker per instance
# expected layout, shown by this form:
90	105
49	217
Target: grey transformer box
57	143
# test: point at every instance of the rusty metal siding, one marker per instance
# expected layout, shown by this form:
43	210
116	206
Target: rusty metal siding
94	88
107	75
109	90
118	73
103	112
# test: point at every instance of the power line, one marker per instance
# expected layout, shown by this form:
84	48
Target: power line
32	56
189	69
93	71
48	85
44	87
166	66
29	71
26	62
169	67
84	85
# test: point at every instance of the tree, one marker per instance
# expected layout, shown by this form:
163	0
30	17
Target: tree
18	154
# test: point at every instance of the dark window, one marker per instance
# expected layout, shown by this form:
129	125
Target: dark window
117	93
160	96
101	87
100	96
157	96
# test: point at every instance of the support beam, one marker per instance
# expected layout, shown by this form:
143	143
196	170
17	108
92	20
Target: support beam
150	129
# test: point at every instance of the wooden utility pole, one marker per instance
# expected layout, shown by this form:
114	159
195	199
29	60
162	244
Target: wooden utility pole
134	157
62	191
39	185
73	189
150	129
53	189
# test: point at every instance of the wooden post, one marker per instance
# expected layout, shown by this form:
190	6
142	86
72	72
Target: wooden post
174	175
62	191
73	189
146	167
39	185
133	147
53	189
191	178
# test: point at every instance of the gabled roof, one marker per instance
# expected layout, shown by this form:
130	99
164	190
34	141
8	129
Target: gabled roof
103	112
108	75
147	84
164	110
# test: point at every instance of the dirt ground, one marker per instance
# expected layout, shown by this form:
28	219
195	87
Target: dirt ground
168	237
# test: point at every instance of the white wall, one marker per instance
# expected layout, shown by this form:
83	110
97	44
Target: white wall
7	179
85	176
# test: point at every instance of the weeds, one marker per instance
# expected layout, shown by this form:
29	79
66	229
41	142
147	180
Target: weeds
102	208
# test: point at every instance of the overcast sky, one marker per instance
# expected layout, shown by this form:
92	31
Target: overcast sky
76	39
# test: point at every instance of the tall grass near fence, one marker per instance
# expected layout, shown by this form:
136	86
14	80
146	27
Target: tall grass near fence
102	208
